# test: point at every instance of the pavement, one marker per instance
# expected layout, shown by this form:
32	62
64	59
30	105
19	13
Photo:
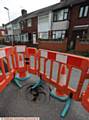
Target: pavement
17	102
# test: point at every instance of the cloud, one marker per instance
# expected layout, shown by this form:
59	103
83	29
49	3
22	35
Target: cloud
15	7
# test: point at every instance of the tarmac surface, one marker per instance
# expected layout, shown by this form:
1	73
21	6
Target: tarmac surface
17	102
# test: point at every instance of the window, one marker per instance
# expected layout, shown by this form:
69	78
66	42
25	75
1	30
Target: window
22	25
60	15
43	24
83	36
9	29
83	11
29	23
17	38
65	14
43	35
10	37
26	37
16	26
22	37
59	35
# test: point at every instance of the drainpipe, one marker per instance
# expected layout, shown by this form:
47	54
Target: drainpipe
50	21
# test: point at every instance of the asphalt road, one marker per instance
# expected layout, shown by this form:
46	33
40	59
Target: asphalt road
17	102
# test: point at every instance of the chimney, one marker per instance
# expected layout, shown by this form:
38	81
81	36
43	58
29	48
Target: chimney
23	12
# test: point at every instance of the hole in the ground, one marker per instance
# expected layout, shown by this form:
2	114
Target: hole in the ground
39	94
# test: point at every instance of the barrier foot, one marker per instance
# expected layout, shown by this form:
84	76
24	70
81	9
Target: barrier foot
23	79
17	83
66	108
39	83
60	98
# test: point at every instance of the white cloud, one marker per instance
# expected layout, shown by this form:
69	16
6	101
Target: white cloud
15	7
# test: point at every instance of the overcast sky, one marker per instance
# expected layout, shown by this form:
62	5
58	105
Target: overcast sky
15	7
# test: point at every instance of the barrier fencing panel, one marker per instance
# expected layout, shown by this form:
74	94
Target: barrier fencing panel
85	99
85	95
30	60
20	53
66	72
6	74
78	67
10	55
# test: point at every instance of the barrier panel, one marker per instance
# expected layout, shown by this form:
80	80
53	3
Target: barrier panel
85	95
30	60
6	75
65	71
78	67
10	55
45	64
20	53
85	99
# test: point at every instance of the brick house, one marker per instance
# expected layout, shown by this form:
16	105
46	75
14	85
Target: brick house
16	30
79	26
67	24
22	30
52	32
13	31
63	26
28	26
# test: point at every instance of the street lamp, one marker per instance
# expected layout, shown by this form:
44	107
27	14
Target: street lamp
8	12
8	18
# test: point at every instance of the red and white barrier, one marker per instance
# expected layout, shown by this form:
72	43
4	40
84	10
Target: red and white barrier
64	71
20	53
85	99
70	71
10	55
6	74
31	54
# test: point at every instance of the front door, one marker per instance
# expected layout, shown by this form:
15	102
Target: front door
34	38
72	42
30	37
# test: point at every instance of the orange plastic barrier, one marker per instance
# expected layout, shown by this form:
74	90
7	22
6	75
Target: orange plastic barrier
30	60
5	73
77	67
85	99
66	72
44	56
85	95
70	71
10	55
20	53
